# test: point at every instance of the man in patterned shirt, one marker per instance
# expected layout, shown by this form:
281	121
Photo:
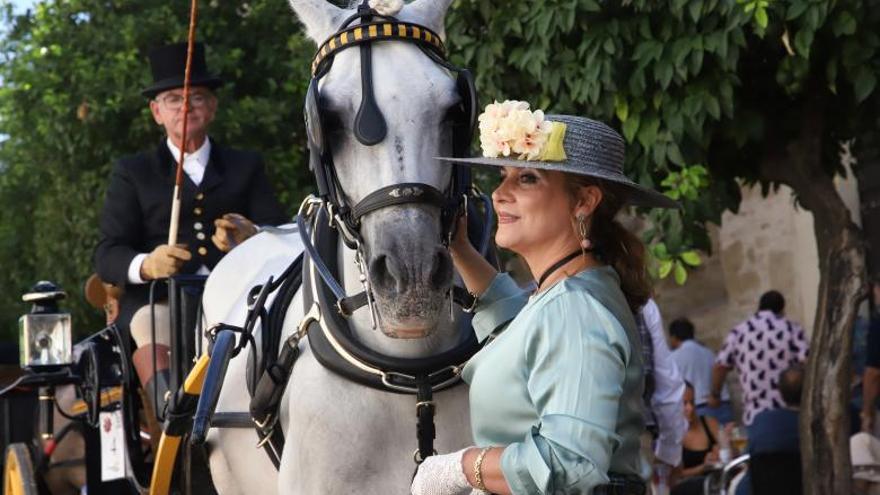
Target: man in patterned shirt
760	348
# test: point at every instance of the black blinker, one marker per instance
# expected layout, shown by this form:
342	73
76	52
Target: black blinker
369	124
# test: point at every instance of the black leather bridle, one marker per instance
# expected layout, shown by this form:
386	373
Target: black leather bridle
370	127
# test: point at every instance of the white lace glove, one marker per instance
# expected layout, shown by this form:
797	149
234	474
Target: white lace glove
441	475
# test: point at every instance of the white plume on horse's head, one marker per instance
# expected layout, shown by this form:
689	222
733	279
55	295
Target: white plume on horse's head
321	18
430	13
386	7
408	267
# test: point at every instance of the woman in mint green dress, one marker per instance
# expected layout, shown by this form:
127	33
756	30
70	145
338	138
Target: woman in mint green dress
556	392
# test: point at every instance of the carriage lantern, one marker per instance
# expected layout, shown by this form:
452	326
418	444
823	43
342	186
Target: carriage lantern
44	333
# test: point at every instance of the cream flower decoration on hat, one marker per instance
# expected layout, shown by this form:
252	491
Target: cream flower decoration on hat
512	129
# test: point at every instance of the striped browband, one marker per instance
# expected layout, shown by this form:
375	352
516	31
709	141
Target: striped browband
377	31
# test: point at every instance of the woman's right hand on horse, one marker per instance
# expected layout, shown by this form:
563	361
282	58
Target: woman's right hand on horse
475	271
460	246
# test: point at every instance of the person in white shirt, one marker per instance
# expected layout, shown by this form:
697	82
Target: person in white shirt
695	363
665	387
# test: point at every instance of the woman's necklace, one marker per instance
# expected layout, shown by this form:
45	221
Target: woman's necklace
559	264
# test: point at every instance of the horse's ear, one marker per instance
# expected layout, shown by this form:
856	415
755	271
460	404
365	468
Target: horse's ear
320	17
430	13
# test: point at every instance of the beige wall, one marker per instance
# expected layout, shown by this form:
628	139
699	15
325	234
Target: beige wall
768	244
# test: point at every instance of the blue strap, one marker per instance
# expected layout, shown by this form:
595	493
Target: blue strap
323	271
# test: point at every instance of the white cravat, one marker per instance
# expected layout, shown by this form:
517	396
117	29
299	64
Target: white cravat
194	164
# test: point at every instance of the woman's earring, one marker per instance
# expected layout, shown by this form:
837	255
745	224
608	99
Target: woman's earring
582	233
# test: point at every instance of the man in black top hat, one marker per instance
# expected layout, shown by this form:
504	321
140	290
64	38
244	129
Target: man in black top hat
224	198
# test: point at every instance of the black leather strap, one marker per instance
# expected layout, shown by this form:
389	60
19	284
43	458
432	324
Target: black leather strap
398	194
426	431
369	124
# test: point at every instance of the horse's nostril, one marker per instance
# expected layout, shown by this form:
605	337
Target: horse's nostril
441	270
392	275
382	273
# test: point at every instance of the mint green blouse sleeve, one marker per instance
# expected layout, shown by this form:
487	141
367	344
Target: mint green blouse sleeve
498	304
576	361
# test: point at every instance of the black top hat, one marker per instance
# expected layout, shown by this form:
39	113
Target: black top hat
168	64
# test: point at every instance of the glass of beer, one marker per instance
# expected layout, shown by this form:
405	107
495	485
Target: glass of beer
739	439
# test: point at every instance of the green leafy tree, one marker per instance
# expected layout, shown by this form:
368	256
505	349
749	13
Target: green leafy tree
708	94
70	105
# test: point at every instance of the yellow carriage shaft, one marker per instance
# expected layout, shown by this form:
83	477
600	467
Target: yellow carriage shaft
169	445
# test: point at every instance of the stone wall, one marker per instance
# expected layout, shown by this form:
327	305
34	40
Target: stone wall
768	244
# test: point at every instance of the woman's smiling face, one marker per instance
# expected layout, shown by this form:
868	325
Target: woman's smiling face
534	210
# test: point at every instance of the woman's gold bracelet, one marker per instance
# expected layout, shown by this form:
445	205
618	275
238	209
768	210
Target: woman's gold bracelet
478	470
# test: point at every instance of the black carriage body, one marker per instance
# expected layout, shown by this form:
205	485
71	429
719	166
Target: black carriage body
105	362
184	302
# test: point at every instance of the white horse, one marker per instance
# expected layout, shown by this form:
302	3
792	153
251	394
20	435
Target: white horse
343	437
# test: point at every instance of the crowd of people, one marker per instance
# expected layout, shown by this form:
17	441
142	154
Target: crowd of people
766	351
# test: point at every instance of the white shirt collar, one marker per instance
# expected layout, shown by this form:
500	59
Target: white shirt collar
201	155
194	164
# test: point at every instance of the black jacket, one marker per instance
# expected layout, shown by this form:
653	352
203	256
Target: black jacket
137	211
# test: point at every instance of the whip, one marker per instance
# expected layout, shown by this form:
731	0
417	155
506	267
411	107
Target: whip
178	180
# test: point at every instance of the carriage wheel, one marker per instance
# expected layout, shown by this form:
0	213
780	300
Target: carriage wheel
18	475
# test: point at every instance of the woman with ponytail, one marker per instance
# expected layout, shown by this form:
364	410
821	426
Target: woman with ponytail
556	392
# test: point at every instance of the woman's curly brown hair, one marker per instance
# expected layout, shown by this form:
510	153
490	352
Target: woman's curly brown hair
615	245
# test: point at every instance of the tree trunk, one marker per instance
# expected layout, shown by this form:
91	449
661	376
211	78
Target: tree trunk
824	418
